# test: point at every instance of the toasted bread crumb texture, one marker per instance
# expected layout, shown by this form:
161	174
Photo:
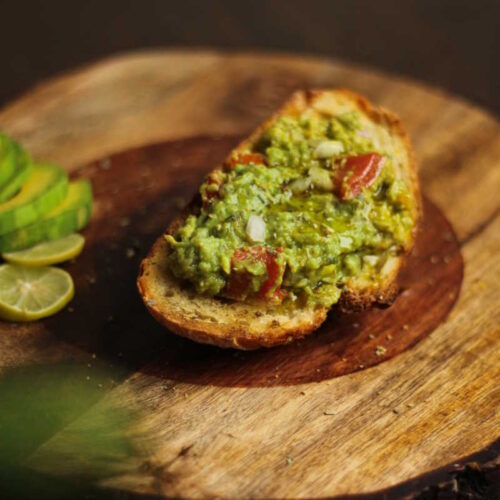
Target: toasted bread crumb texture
242	325
252	324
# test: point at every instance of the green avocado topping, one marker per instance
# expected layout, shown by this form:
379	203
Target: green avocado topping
315	205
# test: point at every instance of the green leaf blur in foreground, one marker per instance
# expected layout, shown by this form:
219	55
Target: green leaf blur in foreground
39	408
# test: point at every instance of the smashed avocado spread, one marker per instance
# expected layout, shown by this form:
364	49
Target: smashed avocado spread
314	205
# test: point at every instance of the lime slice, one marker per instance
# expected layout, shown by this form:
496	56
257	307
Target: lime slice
71	215
51	252
28	294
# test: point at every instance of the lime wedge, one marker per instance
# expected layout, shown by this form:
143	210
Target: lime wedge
28	294
51	252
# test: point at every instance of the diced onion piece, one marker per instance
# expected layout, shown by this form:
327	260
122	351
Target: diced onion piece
390	266
371	260
345	242
300	185
321	179
256	228
327	149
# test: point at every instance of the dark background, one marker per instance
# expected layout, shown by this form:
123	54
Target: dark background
453	44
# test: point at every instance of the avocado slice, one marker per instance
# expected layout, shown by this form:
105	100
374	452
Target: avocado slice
71	215
24	168
8	159
45	188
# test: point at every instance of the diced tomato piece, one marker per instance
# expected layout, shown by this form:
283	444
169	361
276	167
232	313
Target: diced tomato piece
356	173
239	282
274	273
247	158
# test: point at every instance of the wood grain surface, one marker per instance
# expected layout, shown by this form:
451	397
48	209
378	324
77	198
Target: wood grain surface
181	432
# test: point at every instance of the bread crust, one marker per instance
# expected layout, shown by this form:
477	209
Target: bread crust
250	325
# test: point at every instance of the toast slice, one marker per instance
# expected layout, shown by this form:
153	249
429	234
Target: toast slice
253	324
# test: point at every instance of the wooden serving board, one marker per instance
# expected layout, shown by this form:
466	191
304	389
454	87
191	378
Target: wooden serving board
102	394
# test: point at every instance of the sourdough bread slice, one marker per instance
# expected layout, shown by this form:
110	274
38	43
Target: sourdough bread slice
254	324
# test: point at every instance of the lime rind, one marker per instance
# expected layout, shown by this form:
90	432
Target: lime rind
28	294
48	252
